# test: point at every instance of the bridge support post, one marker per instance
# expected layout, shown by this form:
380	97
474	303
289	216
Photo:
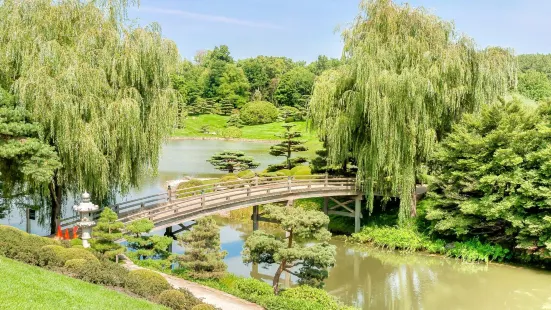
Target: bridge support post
169	192
357	213
326	208
169	233
255	218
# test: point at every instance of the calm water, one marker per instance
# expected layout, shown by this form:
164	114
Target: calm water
373	279
366	278
179	158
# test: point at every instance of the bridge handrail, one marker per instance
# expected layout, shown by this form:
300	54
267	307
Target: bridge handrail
205	198
174	197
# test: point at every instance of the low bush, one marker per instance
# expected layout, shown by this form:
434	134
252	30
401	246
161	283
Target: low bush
285	303
246	174
76	242
177	299
232	133
21	246
234	121
474	250
301	170
229	177
75	265
146	283
400	237
286	172
105	273
308	293
56	256
203	307
251	286
258	112
183	188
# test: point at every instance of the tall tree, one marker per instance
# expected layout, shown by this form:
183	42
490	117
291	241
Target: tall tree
295	87
203	256
408	76
101	90
289	145
26	163
299	225
534	85
234	86
232	161
323	63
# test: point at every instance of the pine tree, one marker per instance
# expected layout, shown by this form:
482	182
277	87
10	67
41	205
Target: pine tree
288	146
232	161
106	232
146	245
300	225
202	254
24	158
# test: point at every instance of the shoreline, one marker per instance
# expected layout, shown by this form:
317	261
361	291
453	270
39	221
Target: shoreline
225	139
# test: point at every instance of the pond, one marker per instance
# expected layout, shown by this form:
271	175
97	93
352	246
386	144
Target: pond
374	279
366	278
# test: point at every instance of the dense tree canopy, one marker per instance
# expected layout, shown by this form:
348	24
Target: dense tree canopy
536	62
492	179
534	85
407	76
311	260
100	90
295	87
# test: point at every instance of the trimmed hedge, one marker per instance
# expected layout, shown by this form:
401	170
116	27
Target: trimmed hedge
146	283
21	246
258	112
56	256
104	273
75	265
252	286
178	299
308	293
203	307
246	174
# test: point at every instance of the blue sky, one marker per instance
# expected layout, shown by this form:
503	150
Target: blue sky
303	29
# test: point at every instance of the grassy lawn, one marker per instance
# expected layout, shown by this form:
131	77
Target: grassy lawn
217	124
29	287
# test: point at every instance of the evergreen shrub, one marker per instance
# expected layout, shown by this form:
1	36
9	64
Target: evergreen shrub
258	112
177	299
146	283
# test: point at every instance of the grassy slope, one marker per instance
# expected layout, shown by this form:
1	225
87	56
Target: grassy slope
29	287
217	124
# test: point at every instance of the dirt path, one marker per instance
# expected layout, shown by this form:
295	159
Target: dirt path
209	295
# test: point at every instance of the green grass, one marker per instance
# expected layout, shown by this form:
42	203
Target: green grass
217	123
28	287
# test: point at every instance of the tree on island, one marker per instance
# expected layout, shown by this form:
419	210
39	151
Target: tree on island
106	112
299	225
106	232
288	146
203	256
146	245
407	77
232	161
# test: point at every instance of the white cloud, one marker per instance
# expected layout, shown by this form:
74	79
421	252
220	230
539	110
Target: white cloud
211	18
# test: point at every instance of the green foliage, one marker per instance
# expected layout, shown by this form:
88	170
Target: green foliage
104	272
178	299
146	283
289	145
246	174
202	257
254	287
403	237
106	232
473	250
56	256
24	159
183	190
388	113
232	161
322	64
258	112
304	292
76	264
301	170
232	133
71	92
290	114
300	224
234	86
295	88
534	85
146	245
21	246
229	178
234	121
536	62
492	179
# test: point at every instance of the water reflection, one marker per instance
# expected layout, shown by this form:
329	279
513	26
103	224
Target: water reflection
373	279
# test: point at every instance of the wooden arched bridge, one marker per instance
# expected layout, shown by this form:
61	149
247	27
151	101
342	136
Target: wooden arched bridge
175	207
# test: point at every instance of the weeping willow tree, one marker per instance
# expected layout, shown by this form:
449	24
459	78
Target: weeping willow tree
100	90
407	76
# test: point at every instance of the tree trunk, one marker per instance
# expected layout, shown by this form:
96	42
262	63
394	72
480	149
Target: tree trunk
55	201
282	266
289	156
414	203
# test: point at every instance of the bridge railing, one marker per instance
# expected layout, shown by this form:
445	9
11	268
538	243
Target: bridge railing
205	194
212	199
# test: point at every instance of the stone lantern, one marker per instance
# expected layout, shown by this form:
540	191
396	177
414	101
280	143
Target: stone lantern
86	208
